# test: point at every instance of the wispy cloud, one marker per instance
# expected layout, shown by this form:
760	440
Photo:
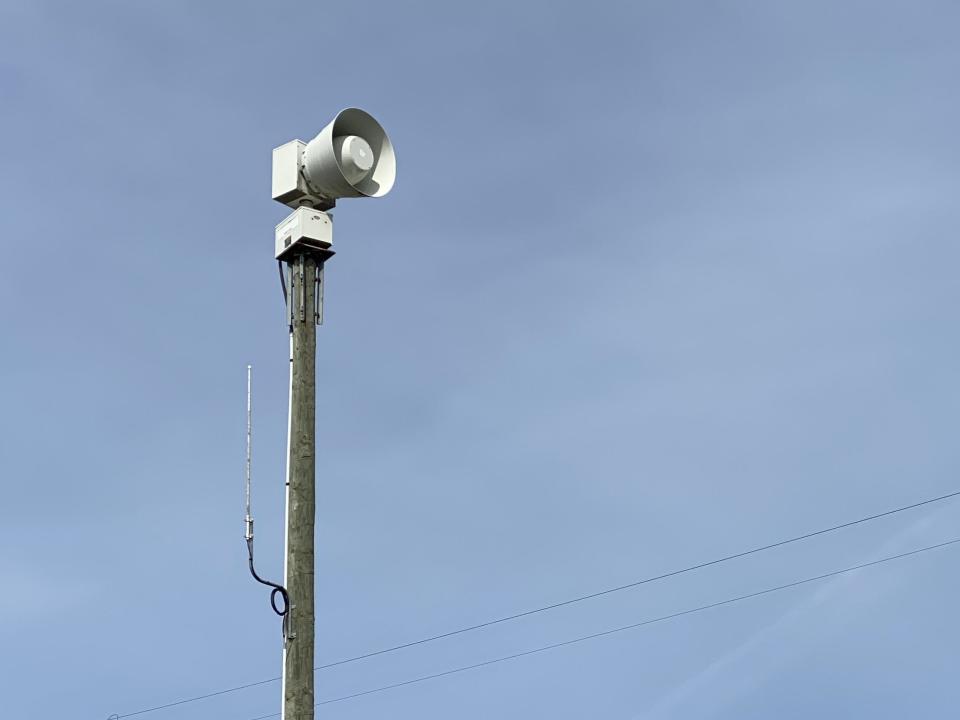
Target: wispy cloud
739	671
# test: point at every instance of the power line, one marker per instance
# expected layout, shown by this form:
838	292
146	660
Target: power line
194	699
632	626
637	583
571	601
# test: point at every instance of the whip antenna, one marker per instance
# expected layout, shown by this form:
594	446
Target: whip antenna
283	610
249	517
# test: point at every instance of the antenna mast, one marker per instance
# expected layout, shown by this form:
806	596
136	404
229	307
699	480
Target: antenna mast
248	519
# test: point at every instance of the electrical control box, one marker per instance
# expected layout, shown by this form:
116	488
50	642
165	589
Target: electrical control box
288	185
304	231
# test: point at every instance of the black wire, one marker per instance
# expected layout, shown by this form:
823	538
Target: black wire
283	281
632	626
194	699
582	598
637	583
277	590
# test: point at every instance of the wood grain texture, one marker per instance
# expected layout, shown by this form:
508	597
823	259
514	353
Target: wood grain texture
301	498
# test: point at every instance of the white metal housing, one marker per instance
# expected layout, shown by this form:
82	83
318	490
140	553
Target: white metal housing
288	186
303	230
351	157
329	171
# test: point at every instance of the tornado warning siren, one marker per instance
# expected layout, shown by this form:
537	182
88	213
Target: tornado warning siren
351	157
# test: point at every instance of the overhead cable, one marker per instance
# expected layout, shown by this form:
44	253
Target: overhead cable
632	626
571	601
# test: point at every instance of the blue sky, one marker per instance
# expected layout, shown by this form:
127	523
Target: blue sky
658	281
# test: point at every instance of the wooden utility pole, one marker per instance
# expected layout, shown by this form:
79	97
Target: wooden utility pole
303	314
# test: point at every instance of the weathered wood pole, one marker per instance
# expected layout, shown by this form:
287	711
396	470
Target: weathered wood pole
298	700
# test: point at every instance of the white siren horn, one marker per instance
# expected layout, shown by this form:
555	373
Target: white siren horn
350	157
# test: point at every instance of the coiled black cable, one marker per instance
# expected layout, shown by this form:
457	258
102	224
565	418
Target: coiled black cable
280	590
